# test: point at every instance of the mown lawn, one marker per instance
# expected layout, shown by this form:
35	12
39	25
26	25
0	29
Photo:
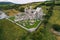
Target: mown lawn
12	18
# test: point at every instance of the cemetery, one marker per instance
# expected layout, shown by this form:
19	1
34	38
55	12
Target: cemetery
30	18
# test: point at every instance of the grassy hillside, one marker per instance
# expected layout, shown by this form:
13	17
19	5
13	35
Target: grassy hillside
4	3
55	18
10	31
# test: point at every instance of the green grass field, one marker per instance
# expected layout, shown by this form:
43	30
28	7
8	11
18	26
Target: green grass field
55	18
10	31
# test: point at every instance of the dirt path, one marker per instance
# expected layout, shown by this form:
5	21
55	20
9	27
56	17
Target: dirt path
58	37
57	34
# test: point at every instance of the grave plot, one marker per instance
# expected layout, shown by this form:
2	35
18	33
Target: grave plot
26	23
29	23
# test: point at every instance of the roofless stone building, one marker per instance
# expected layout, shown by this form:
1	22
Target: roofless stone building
30	14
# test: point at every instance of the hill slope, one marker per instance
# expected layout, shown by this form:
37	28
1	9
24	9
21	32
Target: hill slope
6	3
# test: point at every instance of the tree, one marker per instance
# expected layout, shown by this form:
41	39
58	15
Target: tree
56	27
21	9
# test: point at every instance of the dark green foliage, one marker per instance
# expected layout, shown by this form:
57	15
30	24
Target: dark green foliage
4	3
21	9
56	27
45	22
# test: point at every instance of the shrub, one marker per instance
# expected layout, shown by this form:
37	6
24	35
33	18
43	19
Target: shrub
56	27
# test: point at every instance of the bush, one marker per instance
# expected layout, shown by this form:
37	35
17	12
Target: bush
21	9
56	27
